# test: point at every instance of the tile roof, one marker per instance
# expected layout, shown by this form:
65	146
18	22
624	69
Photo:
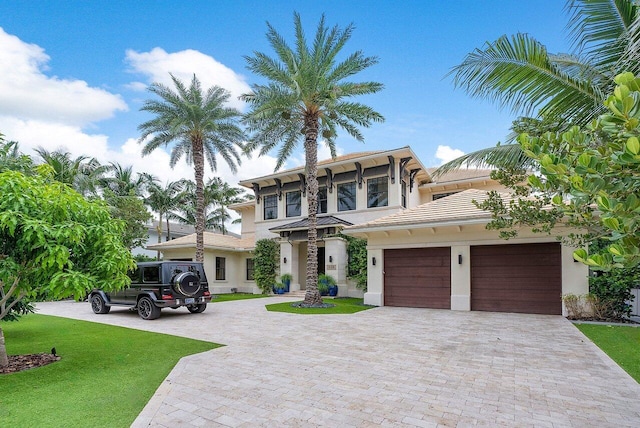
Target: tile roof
304	223
211	241
452	209
457	175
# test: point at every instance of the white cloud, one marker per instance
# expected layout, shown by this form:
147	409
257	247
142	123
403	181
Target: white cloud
26	92
446	154
158	63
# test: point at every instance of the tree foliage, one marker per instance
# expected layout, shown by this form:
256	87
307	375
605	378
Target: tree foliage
265	264
589	179
357	267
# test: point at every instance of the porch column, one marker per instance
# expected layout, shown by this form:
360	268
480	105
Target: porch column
289	251
335	262
460	278
375	278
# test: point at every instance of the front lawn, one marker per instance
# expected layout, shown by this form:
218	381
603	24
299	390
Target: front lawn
236	296
620	343
106	375
343	305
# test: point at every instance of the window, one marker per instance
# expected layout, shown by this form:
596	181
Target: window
442	195
270	207
249	269
221	268
404	194
322	200
151	274
293	204
377	192
347	196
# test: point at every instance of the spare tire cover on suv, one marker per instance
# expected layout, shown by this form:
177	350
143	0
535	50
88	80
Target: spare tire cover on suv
186	283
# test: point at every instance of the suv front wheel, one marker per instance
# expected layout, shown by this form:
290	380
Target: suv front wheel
147	309
98	305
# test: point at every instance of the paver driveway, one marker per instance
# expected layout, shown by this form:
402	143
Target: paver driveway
382	367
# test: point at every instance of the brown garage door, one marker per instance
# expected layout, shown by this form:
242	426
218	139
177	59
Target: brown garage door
418	277
523	278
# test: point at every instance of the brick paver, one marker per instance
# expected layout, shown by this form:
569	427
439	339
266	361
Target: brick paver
380	368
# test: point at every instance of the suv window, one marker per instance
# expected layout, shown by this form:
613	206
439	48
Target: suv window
151	274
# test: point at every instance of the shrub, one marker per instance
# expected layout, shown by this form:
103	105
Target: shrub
265	263
357	265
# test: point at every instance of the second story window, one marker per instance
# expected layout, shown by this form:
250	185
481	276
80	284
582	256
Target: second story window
347	196
377	192
404	194
322	200
270	207
293	204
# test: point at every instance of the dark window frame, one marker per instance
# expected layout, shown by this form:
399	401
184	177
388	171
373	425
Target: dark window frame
221	268
342	206
378	192
293	208
270	205
250	269
403	194
437	196
154	276
322	200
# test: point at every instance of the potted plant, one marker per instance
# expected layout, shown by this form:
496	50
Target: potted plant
327	284
278	288
286	278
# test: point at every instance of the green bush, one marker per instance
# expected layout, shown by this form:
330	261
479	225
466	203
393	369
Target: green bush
357	265
265	264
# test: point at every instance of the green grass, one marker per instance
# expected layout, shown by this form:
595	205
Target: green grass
343	305
236	296
106	375
620	343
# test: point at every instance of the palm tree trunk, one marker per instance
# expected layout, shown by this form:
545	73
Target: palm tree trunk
312	295
198	164
168	230
159	230
4	358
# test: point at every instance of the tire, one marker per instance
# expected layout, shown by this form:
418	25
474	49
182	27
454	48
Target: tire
187	284
198	308
98	305
147	309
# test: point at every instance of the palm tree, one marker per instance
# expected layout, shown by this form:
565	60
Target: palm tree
83	174
162	200
200	125
307	95
560	90
123	182
224	195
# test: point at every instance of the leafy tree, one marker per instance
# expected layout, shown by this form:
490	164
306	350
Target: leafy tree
54	241
133	213
201	126
307	95
357	267
588	178
265	263
82	174
561	90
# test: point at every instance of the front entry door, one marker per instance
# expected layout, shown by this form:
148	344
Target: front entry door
320	260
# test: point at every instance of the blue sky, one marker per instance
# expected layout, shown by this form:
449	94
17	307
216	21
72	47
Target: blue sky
72	73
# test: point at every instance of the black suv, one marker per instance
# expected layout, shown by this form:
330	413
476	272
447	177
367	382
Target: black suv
156	285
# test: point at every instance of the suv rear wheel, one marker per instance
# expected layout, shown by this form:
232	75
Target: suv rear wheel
147	309
98	305
197	309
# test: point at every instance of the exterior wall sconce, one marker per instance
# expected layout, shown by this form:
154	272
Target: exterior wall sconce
330	259
373	261
284	260
459	259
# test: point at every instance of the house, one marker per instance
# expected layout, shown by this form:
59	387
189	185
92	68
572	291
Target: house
427	242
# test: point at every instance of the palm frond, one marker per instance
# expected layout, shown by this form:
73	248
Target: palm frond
508	155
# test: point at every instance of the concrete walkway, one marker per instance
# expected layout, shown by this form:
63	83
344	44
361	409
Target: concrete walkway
382	367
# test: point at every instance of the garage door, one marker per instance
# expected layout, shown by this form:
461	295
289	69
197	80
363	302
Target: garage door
523	278
418	277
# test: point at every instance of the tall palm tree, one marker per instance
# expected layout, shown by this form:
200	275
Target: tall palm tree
519	73
307	95
83	174
200	125
223	196
162	200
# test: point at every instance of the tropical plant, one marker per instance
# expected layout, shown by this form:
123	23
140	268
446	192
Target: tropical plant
54	241
265	263
83	174
587	179
122	181
12	159
163	200
307	96
223	196
201	126
559	90
357	263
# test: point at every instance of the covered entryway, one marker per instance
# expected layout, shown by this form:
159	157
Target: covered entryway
418	277
522	278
